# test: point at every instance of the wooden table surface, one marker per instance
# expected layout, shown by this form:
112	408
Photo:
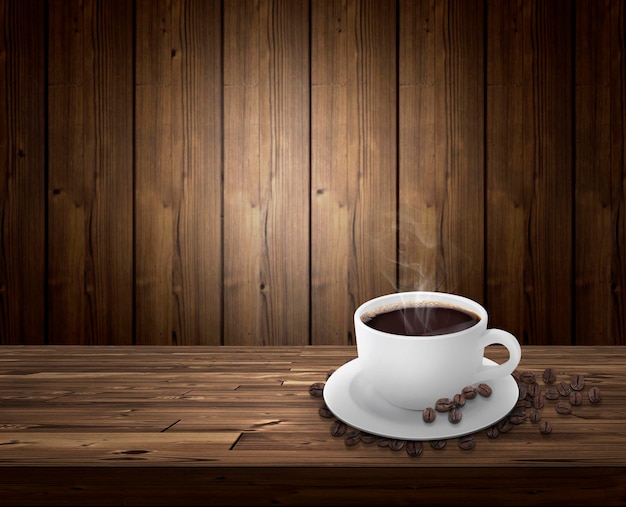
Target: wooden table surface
104	425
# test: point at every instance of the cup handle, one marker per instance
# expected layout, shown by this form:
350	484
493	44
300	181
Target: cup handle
493	337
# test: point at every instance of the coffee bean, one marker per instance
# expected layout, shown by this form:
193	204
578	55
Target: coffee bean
396	445
564	389
458	400
438	444
539	401
317	389
549	376
552	393
523	390
368	438
329	373
469	392
493	431
383	442
455	415
575	398
429	415
504	426
563	408
527	377
352	438
467	442
577	381
443	405
338	429
534	389
595	395
516	374
324	411
414	448
535	415
484	390
546	427
518	418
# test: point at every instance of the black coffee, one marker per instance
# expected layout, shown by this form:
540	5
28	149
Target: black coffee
420	319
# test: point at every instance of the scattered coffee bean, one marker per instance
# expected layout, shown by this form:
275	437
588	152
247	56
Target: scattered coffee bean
396	445
368	438
443	405
539	401
552	393
317	389
564	389
504	426
493	431
324	411
429	414
577	382
484	390
535	415
519	418
516	374
438	444
329	373
549	376
527	377
383	442
352	438
575	398
467	442
458	400
455	415
469	392
546	427
414	448
563	408
338	429
595	395
534	389
523	390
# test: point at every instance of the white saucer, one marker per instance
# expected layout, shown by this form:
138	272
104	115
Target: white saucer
352	399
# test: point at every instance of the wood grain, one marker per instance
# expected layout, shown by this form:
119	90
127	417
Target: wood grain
237	426
22	178
246	172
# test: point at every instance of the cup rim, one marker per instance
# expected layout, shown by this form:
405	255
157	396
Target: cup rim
445	297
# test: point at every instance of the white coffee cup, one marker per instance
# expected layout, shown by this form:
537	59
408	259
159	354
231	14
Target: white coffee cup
414	371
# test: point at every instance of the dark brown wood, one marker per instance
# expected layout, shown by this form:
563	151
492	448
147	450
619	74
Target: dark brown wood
248	172
155	181
22	178
267	171
237	426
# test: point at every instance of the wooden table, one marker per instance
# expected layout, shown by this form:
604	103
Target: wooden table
94	425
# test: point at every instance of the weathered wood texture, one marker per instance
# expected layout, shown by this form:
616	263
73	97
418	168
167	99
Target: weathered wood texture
175	168
87	425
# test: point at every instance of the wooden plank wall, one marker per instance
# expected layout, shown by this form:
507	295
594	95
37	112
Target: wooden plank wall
247	172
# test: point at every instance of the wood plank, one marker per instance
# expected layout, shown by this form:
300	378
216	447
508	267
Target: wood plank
154	174
618	171
266	185
22	172
69	195
332	305
197	154
372	156
507	183
77	419
459	139
421	184
594	231
91	223
548	151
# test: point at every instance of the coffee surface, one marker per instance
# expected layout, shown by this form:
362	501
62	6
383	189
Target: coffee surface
421	320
